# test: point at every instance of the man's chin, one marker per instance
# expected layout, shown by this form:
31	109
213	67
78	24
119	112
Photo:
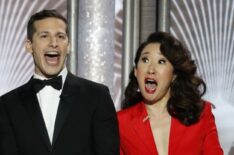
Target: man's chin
52	74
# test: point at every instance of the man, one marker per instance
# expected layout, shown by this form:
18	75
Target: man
56	113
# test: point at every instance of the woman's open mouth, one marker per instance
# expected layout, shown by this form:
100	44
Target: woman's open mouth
150	85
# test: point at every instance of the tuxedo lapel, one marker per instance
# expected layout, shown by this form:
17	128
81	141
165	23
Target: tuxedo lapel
142	128
67	98
30	101
176	134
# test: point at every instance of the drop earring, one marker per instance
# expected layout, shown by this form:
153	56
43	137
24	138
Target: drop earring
138	90
174	77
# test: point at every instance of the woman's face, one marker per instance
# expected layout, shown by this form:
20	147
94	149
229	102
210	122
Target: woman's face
154	74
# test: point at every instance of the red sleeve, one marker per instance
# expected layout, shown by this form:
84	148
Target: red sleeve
121	151
211	141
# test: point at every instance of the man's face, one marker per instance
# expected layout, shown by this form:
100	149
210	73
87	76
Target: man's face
49	46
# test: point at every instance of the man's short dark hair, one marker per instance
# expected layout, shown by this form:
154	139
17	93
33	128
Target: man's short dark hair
42	15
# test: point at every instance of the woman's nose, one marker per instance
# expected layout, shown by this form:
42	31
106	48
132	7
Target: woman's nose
151	68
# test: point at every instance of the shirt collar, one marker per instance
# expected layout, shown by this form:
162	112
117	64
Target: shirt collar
63	73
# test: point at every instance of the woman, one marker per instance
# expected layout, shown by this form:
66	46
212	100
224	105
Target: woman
163	113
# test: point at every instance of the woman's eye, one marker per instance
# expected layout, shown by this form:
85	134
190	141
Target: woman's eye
145	59
162	61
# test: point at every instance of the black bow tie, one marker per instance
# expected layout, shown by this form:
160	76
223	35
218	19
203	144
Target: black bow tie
56	83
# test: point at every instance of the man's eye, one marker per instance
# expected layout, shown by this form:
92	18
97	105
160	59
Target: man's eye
43	36
62	36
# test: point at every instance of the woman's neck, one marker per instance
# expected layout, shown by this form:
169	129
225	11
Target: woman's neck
157	109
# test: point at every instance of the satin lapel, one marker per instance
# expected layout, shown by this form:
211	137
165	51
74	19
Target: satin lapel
67	98
176	134
30	101
142	128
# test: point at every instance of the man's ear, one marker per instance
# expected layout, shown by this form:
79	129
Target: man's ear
28	46
69	48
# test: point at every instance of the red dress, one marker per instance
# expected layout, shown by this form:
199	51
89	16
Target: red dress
136	137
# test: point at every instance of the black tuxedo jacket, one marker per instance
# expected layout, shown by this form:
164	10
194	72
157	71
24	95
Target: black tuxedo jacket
86	122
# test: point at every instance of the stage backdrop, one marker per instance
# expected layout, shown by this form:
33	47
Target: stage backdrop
207	28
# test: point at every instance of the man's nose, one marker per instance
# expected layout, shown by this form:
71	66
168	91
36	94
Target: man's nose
53	42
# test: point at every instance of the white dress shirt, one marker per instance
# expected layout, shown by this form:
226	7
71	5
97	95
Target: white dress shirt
48	99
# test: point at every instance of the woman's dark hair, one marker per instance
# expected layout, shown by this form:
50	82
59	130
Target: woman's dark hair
185	103
43	15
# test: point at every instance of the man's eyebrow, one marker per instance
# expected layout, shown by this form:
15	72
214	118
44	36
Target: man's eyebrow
62	33
42	32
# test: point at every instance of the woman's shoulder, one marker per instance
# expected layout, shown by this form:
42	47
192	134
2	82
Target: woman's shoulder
130	113
207	106
129	110
207	110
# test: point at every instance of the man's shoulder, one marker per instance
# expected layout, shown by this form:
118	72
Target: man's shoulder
85	83
14	92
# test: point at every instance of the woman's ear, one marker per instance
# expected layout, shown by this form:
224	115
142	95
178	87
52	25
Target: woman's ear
135	71
28	46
